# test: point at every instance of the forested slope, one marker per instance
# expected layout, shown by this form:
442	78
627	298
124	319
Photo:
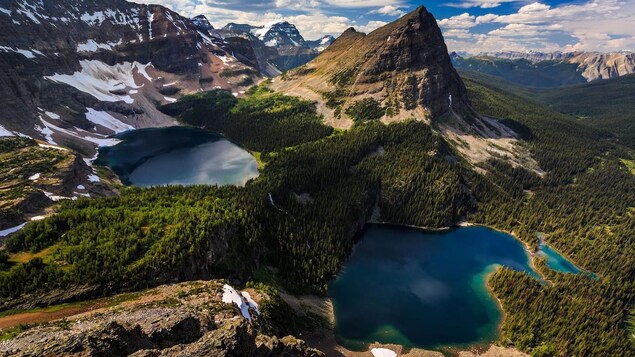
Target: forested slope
585	207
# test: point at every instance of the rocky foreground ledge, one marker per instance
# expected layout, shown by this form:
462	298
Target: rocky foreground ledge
202	318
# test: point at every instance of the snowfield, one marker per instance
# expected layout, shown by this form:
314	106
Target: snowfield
5	132
93	46
107	121
49	129
100	79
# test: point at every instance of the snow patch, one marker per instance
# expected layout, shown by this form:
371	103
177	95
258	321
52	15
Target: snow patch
35	177
225	59
100	79
383	352
52	115
30	15
81	187
150	20
250	301
5	11
98	139
171	100
93	46
5	132
30	54
47	132
107	121
52	147
93	178
37	218
243	301
54	197
8	231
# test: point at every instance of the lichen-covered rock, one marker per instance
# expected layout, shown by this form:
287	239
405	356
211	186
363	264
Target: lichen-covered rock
187	319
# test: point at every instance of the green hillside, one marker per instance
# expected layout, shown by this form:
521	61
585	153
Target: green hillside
606	105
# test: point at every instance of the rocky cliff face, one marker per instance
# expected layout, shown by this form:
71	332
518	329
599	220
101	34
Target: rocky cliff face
205	318
594	66
74	71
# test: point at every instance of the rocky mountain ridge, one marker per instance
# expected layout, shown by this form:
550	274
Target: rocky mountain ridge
74	72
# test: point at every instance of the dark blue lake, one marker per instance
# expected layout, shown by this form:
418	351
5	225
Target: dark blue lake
178	156
422	289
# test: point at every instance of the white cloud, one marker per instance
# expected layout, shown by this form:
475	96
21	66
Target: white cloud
388	10
463	21
596	25
361	3
485	4
371	26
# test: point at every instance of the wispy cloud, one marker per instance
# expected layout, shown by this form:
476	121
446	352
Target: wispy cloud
485	4
388	10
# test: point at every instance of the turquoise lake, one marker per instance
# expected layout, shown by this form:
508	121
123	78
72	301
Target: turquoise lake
422	289
556	261
178	156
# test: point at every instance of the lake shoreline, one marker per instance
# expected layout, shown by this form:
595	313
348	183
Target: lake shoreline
463	224
523	252
178	155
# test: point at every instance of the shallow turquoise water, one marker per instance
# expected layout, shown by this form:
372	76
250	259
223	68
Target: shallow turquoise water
422	289
557	262
178	156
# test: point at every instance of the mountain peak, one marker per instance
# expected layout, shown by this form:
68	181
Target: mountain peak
420	12
404	65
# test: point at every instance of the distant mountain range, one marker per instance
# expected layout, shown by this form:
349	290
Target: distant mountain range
277	46
538	69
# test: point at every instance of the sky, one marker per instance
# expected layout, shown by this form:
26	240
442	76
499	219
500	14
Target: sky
472	26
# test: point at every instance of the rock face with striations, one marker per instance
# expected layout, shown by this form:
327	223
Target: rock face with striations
74	71
404	66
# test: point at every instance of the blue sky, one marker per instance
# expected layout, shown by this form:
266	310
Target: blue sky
468	25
